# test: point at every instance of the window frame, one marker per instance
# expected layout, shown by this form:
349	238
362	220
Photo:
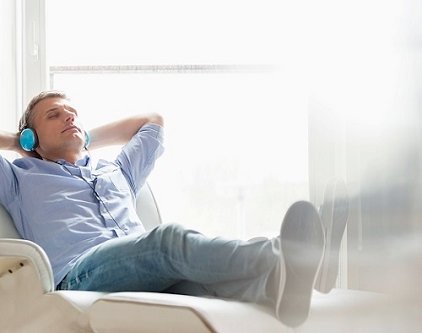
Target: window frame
33	48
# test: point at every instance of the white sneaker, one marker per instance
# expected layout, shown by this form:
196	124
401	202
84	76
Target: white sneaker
302	246
334	213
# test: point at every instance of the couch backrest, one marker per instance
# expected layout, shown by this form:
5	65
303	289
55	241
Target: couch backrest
146	207
7	228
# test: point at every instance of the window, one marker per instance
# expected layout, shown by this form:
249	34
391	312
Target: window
236	124
231	78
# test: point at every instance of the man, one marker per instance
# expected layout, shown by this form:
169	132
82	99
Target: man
81	212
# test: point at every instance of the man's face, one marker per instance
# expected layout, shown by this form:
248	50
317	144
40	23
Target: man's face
57	126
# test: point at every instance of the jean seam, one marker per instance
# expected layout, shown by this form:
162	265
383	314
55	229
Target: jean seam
174	262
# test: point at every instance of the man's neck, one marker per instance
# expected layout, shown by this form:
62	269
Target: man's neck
69	157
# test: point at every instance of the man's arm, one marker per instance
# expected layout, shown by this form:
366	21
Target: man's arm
121	131
8	141
8	189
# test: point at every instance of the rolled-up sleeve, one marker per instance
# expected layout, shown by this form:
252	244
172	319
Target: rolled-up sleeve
138	156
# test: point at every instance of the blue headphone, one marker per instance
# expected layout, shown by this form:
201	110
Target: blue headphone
28	139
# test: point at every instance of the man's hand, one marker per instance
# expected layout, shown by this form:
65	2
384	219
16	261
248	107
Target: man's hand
121	131
10	141
18	149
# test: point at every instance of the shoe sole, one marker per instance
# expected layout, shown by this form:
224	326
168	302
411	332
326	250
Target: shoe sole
302	246
334	214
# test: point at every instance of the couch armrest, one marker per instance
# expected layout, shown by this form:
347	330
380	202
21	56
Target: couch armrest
14	251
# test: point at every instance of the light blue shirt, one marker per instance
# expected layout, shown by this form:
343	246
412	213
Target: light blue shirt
67	209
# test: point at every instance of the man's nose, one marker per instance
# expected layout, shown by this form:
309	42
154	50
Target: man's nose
69	116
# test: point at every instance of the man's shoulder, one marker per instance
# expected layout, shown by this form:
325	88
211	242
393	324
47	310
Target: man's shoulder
26	162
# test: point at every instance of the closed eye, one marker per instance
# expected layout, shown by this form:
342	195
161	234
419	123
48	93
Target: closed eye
52	114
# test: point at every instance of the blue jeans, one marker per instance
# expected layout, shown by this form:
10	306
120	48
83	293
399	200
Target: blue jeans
173	259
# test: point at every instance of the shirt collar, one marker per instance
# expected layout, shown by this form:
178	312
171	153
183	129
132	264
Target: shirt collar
84	161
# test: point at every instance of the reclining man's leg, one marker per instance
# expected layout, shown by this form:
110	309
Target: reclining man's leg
280	271
169	254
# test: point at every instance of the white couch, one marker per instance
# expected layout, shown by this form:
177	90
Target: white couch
29	303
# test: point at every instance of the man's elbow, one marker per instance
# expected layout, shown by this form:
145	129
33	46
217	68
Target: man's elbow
156	118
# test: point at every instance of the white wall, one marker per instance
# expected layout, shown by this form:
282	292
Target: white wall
8	67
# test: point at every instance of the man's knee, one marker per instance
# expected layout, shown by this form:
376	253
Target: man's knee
170	232
175	235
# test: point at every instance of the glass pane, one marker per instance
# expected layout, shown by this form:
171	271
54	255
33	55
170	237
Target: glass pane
236	143
165	31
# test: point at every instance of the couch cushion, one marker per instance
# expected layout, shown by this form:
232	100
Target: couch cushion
81	300
159	312
339	311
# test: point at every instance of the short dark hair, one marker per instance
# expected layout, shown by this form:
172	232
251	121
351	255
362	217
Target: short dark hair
27	117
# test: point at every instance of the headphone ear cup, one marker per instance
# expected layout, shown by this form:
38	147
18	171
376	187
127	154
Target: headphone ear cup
87	140
28	139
